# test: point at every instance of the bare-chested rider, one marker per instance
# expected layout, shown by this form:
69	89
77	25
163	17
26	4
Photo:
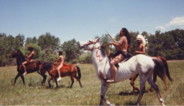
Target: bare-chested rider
141	45
29	58
60	59
121	48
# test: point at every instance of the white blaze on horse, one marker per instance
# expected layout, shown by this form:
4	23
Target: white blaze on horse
142	64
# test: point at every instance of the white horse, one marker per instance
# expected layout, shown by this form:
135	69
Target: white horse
142	64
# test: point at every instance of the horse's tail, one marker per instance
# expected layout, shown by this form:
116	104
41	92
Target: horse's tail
166	68
79	72
161	69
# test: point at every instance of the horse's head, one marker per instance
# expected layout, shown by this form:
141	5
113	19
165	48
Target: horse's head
16	54
13	54
91	45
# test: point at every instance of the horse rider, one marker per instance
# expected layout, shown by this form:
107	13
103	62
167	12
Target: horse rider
121	47
60	59
141	45
140	49
29	58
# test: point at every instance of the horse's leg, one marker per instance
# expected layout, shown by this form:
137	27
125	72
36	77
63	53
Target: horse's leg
132	80
72	81
22	77
151	82
142	88
18	75
55	79
44	77
104	87
154	79
49	82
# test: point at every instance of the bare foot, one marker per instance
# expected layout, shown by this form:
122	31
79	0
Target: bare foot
110	80
25	73
59	79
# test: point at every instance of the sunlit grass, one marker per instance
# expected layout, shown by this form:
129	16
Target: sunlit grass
35	94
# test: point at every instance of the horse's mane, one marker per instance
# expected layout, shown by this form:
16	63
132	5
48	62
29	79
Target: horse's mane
104	53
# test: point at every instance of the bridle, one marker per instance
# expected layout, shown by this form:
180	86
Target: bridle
100	59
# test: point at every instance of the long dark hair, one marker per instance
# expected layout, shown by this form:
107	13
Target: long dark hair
127	35
60	52
30	48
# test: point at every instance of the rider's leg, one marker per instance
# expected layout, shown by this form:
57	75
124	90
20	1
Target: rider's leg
58	69
113	68
23	64
112	71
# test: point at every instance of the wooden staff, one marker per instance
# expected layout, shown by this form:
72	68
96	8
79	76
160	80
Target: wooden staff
111	37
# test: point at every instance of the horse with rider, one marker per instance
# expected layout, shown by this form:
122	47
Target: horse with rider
27	64
120	67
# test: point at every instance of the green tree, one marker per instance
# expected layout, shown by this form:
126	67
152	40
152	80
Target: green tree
47	40
36	48
168	44
71	49
31	40
2	49
7	45
178	36
133	42
85	57
19	41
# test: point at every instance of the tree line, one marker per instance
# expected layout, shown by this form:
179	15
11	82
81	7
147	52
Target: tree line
169	44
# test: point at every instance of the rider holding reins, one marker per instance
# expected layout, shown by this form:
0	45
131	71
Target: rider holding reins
121	47
29	58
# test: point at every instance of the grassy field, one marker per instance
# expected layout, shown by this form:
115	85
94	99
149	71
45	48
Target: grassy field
35	94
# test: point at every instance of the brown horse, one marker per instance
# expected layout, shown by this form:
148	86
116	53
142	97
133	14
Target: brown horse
67	70
162	71
31	67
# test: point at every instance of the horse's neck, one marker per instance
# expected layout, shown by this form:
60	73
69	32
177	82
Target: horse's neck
20	60
100	61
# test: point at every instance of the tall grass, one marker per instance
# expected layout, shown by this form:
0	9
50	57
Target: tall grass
35	94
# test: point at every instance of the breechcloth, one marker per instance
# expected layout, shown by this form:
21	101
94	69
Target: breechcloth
125	55
122	53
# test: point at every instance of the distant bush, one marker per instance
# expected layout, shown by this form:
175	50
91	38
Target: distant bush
85	58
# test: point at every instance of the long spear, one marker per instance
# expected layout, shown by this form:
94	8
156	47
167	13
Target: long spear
111	37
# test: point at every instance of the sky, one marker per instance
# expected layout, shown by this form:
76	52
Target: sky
84	19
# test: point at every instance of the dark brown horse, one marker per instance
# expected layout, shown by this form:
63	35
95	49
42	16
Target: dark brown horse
70	70
31	67
161	70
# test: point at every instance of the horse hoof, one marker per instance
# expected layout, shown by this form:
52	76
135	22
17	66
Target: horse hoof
109	104
163	104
